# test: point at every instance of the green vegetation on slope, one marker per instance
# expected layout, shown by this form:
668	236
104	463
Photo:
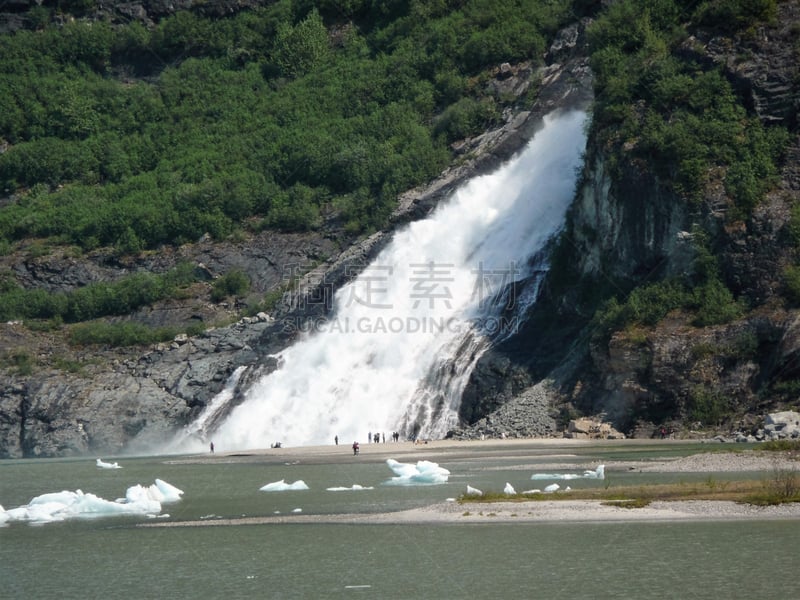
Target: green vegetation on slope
278	117
95	300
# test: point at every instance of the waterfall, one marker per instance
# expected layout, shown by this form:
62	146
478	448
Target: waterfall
404	335
210	414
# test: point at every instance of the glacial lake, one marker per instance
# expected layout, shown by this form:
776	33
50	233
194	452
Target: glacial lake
114	557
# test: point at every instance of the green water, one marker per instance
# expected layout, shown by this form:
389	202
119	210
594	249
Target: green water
113	558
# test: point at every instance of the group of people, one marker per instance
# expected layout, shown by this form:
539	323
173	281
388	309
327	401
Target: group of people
377	437
371	437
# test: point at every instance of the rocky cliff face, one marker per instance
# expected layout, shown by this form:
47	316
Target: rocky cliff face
629	228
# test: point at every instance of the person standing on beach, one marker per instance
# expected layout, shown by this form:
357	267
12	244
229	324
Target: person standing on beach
212	447
336	440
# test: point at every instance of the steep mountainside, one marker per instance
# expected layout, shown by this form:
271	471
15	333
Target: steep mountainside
666	304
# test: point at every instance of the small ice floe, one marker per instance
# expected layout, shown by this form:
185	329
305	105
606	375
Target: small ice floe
598	473
535	491
553	487
282	486
422	473
101	464
297	510
354	488
471	491
509	490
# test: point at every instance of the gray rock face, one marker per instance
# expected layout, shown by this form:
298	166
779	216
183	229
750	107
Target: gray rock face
618	234
125	403
782	425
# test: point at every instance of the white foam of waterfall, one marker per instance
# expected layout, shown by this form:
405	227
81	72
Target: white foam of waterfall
425	298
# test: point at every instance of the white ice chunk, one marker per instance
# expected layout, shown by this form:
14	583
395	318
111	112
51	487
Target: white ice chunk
169	493
282	486
471	491
509	490
564	476
297	510
553	487
536	491
159	493
598	473
101	464
61	506
422	473
354	488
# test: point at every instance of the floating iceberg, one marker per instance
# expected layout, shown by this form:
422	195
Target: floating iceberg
282	486
553	487
509	490
423	473
61	506
101	464
598	473
161	492
355	488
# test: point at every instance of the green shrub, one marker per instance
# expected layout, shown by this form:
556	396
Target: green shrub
734	15
233	283
791	284
22	362
466	117
781	446
645	305
94	300
300	48
715	304
706	405
118	334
